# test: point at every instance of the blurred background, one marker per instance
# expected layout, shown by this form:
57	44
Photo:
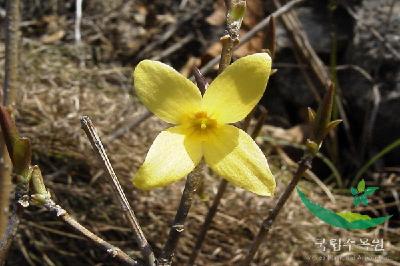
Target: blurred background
75	64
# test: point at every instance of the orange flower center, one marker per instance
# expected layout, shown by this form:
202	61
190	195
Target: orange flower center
202	124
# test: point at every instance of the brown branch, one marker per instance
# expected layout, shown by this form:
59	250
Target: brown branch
13	222
112	250
191	185
11	53
8	236
322	124
98	148
207	221
304	165
201	82
8	98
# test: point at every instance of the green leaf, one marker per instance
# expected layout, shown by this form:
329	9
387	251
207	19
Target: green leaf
361	186
352	216
354	191
370	190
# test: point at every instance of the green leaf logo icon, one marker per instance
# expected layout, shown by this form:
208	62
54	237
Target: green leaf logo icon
360	195
346	220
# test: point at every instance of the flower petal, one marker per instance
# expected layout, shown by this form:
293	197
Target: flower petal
171	157
165	92
233	154
235	92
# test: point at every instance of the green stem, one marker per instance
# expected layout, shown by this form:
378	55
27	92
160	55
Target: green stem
371	161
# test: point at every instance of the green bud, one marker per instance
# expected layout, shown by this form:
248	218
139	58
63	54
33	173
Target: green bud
312	146
311	115
323	116
237	11
332	125
18	148
39	192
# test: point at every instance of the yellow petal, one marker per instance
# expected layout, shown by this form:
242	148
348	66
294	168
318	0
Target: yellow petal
165	92
235	92
171	157
233	155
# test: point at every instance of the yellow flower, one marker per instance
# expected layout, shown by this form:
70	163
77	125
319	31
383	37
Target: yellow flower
202	124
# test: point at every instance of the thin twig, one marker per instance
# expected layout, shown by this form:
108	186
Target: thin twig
201	82
191	185
8	236
112	250
11	52
374	32
13	222
370	119
130	124
322	124
8	98
304	165
173	48
172	29
97	146
207	221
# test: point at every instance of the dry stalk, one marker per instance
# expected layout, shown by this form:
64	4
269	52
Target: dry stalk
13	223
98	148
191	185
8	98
304	165
113	251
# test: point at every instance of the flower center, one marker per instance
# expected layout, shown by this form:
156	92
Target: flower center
201	124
